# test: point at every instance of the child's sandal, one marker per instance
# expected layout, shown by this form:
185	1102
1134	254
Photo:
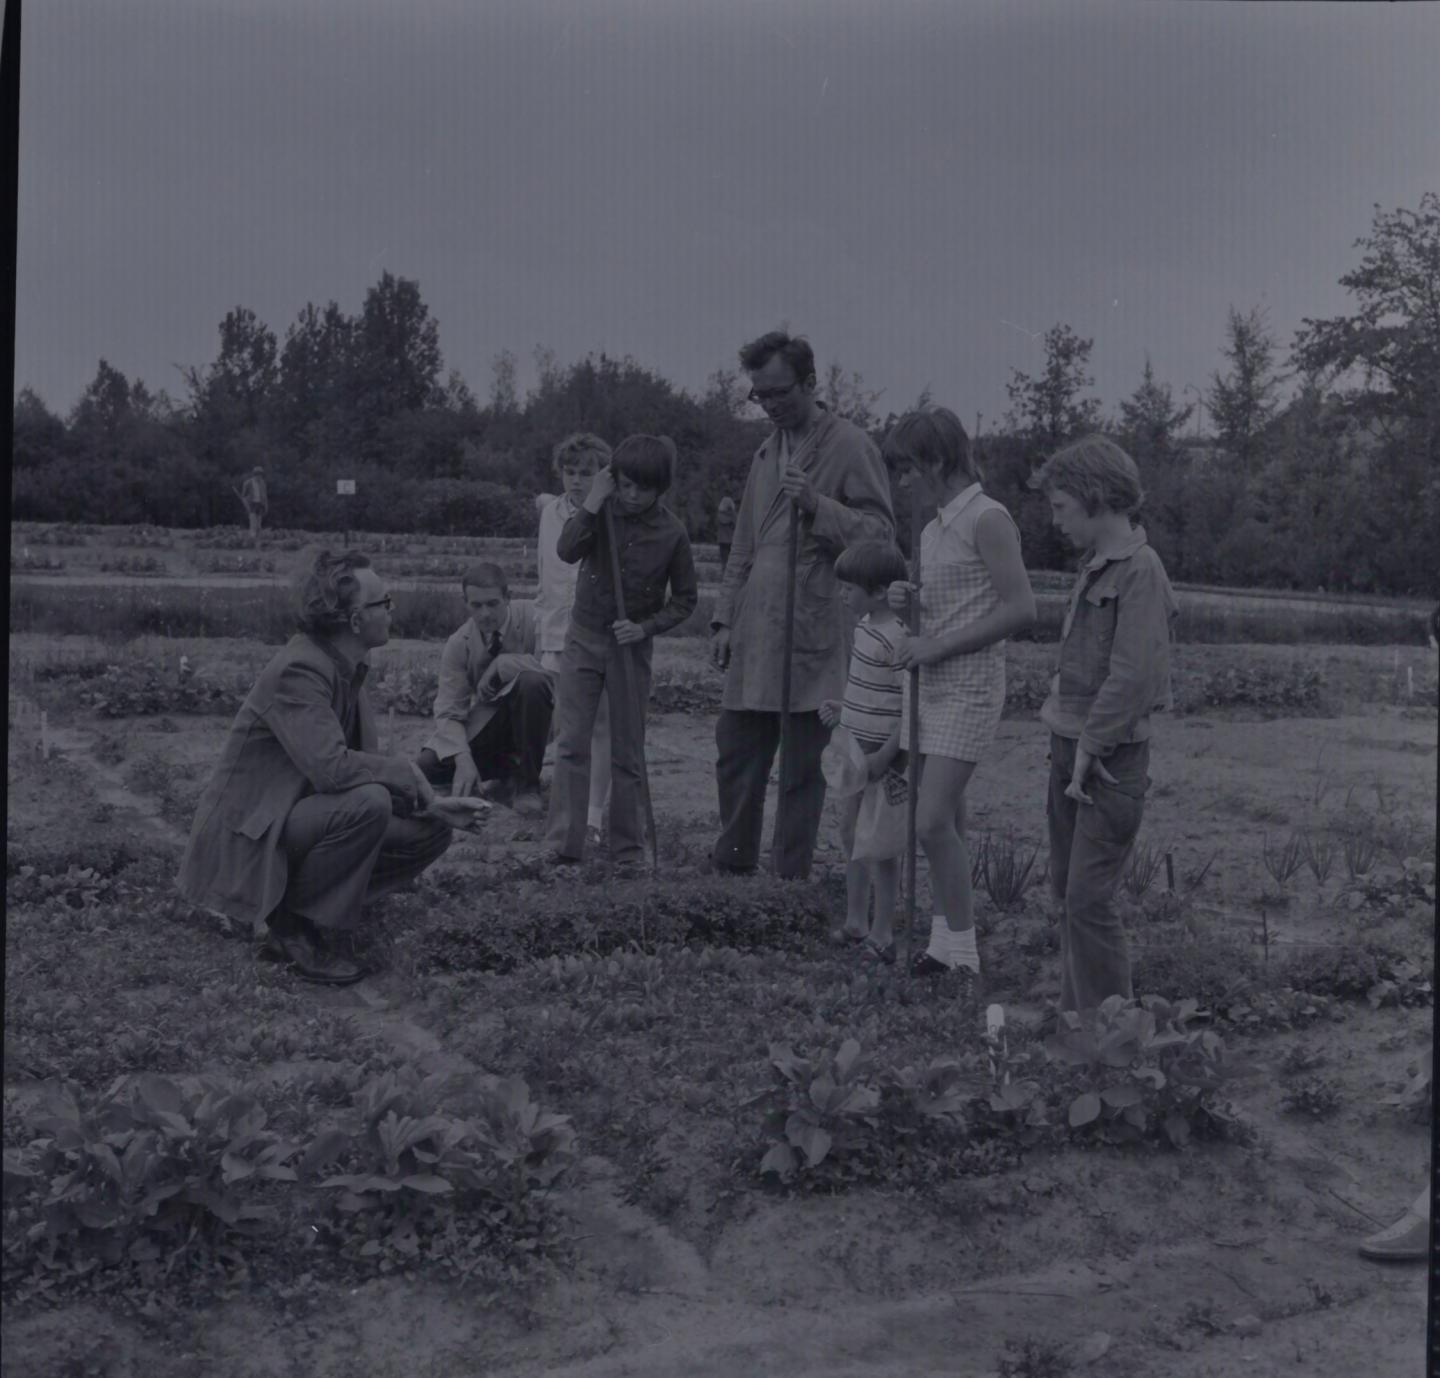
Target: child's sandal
873	952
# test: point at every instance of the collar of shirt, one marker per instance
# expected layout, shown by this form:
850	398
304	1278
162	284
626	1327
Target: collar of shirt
482	639
353	672
958	504
1123	551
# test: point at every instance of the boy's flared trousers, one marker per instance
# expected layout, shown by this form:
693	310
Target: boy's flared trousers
745	748
347	848
1090	845
589	666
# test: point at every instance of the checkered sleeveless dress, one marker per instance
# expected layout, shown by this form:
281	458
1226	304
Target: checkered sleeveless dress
961	698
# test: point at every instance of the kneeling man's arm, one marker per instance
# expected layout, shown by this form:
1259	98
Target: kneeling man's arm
302	717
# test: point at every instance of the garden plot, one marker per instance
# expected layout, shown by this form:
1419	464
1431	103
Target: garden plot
669	1024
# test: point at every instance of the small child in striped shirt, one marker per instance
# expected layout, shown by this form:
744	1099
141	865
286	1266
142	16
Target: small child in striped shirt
871	713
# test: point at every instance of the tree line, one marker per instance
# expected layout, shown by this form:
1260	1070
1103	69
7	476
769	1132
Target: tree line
1320	466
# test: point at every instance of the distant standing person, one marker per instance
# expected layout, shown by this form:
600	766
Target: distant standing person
256	500
833	470
725	530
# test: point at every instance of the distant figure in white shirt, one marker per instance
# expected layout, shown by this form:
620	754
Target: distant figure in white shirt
576	460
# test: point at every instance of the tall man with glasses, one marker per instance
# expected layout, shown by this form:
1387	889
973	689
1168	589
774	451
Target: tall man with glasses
304	819
831	471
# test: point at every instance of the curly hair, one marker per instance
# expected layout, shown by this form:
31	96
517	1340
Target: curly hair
581	445
328	591
1097	473
794	349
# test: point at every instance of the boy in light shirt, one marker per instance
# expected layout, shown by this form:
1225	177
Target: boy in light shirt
576	460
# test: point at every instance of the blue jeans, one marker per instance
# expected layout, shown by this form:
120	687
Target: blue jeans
1090	845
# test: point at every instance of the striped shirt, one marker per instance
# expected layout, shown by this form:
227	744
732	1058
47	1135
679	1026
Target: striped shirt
874	691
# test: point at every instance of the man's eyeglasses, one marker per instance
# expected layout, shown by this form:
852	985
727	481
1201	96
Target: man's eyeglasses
386	602
771	394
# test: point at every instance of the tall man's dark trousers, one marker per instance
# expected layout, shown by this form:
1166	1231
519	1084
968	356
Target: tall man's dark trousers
746	743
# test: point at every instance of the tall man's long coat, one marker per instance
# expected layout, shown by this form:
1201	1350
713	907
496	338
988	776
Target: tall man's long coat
853	505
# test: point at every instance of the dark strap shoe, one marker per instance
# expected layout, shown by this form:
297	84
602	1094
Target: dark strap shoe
301	944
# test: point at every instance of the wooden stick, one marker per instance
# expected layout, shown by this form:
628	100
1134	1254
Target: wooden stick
786	749
912	761
630	689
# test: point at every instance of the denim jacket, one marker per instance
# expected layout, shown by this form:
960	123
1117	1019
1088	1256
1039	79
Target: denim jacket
1114	664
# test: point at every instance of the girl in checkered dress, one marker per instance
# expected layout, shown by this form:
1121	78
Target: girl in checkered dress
973	593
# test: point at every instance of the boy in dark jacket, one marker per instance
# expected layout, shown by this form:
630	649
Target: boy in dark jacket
657	575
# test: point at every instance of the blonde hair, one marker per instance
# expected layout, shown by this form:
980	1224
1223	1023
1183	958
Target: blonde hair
1097	473
933	438
577	446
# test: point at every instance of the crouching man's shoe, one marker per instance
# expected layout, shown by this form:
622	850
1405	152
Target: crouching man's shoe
293	939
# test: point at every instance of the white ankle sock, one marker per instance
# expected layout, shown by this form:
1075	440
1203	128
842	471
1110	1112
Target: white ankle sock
954	949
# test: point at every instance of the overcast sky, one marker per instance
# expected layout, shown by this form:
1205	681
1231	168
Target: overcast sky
915	186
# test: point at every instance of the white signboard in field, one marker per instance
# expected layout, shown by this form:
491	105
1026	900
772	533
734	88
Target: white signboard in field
345	487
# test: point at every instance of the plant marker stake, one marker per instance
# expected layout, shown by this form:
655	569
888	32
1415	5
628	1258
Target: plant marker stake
912	746
630	688
44	734
994	1030
1170	871
791	567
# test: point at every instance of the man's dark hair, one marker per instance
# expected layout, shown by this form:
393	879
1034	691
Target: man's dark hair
794	349
484	576
648	460
328	591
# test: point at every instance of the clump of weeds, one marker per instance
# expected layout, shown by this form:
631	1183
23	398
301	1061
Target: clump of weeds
1318	1097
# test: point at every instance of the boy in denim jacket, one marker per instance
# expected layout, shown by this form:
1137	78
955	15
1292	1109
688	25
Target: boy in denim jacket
1113	672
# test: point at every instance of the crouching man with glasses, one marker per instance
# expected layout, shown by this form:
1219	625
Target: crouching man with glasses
303	819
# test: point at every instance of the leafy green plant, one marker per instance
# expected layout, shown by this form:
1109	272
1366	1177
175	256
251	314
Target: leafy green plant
1301	1059
1319	856
1033	1358
1006	870
148	1173
396	1138
1160	1074
1284	860
133	564
1145	863
1362	849
1296	685
818	1107
1318	1097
